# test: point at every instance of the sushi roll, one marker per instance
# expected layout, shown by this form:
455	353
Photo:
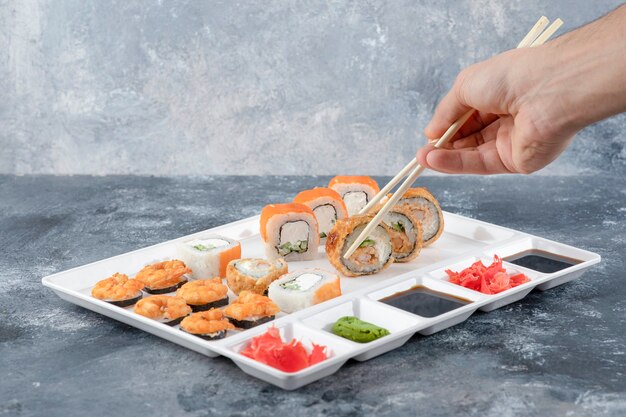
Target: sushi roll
289	231
426	209
252	274
204	294
303	289
372	256
165	309
405	232
163	277
356	191
208	325
118	290
327	206
208	256
250	310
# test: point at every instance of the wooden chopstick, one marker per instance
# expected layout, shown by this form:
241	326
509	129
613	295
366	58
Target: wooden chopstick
533	38
543	38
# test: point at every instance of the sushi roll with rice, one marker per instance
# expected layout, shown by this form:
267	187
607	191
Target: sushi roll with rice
208	325
164	277
373	255
303	289
252	274
208	256
204	294
118	290
250	310
289	231
356	191
405	232
426	209
327	206
165	309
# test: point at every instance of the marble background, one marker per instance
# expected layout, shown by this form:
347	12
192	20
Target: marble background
251	87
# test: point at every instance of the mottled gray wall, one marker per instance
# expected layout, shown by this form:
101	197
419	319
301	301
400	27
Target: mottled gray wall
251	87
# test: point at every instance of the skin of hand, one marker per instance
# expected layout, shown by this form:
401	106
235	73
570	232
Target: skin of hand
531	102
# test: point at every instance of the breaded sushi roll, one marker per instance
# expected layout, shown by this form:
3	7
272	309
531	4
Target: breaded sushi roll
250	310
208	256
327	206
356	191
303	289
254	275
426	209
405	232
372	256
289	231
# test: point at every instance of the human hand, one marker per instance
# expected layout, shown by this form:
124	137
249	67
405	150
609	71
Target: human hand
531	102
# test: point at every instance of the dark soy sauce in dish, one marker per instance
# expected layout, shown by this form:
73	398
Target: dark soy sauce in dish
541	261
424	301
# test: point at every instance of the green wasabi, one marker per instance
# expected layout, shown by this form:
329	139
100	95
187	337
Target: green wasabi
357	330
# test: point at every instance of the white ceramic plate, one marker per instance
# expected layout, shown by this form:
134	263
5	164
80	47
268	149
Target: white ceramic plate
463	242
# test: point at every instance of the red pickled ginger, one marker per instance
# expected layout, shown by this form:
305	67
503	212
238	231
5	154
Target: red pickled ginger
288	357
490	279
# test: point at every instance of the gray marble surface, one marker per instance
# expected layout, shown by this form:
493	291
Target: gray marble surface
558	353
91	86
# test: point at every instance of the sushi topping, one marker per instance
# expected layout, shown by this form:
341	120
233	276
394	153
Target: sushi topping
207	244
203	291
163	274
299	247
270	349
162	307
398	227
117	288
357	330
206	323
491	279
367	242
302	282
250	305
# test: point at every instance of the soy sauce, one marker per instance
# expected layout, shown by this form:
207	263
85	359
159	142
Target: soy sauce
424	301
541	261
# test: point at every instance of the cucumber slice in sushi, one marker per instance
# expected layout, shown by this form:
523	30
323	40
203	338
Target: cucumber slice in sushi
248	324
172	288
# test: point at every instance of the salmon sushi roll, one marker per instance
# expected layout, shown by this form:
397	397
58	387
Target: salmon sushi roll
427	210
208	256
250	310
252	274
373	255
356	191
289	231
305	288
405	232
327	206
